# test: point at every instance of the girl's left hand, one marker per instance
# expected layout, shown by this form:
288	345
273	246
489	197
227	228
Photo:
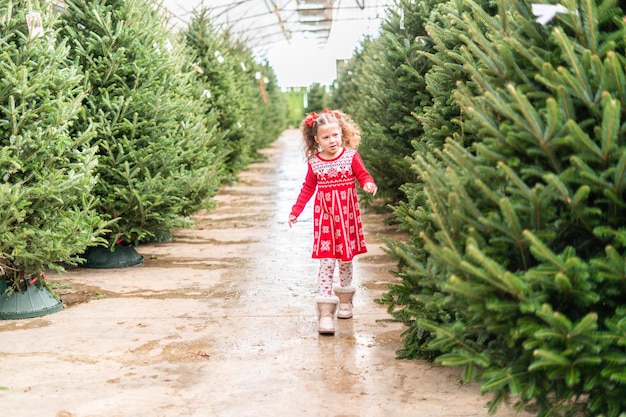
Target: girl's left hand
292	220
370	188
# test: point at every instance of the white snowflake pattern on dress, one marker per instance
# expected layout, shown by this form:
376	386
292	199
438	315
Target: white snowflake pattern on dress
338	227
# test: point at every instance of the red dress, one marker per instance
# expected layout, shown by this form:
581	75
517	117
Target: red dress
337	227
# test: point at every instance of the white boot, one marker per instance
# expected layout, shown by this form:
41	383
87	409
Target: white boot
326	308
345	295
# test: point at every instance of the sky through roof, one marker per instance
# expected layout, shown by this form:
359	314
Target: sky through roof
302	39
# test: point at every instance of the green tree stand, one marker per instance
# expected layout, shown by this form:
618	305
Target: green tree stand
123	254
35	300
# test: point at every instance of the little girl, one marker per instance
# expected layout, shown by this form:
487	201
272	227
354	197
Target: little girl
331	140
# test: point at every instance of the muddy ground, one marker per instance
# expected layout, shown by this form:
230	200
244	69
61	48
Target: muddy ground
220	321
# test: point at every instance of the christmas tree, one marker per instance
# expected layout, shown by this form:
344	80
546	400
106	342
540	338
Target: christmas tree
159	153
263	103
224	88
317	98
350	91
241	92
440	118
391	94
521	212
46	168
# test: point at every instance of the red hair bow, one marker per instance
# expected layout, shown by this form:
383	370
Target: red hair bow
311	119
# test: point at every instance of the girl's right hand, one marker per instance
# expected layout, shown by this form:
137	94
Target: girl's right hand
292	220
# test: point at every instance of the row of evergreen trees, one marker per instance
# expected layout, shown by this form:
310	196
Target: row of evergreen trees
115	128
500	143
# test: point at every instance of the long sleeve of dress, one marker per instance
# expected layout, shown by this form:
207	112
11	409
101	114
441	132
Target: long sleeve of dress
307	191
360	172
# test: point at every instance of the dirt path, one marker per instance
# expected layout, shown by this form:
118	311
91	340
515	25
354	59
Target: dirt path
220	321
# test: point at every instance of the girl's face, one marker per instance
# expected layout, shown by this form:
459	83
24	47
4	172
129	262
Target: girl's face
329	138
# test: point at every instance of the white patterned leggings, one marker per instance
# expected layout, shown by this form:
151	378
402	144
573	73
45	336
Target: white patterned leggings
326	272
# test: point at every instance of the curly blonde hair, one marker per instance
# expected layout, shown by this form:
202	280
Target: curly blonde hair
350	132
